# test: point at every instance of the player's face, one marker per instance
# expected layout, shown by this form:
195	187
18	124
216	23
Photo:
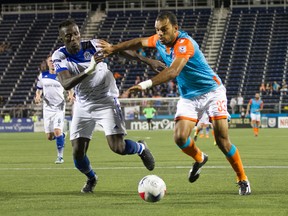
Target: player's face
70	36
50	64
257	96
166	31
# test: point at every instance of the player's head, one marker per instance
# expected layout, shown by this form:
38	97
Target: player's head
166	26
70	35
257	96
50	63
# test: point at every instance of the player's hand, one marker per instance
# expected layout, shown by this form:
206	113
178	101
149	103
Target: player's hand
107	49
132	89
156	65
92	66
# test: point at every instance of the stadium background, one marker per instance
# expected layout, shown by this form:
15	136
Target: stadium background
244	41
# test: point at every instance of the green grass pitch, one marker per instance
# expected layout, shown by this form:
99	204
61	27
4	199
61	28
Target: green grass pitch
31	184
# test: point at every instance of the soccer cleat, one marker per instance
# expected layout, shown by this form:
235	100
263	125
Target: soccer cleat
244	187
201	135
59	160
147	157
196	169
89	185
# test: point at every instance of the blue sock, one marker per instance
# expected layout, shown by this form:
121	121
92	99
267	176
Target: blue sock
132	147
60	142
84	167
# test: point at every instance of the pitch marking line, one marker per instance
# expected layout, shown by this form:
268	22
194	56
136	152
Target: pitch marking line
123	168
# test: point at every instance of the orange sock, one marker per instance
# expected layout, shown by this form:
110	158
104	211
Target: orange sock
234	158
192	150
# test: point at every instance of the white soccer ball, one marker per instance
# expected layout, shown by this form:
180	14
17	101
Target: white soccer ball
151	188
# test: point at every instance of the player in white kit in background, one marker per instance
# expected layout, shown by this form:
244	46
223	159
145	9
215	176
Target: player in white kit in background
53	106
96	101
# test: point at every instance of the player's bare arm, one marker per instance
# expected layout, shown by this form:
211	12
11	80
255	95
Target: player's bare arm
68	81
37	98
163	77
156	65
133	44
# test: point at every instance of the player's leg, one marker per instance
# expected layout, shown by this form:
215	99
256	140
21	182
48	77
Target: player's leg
60	143
122	146
114	127
232	154
82	163
58	126
207	129
258	124
82	127
182	131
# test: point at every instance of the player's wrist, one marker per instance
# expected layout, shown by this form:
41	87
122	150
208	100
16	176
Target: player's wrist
146	84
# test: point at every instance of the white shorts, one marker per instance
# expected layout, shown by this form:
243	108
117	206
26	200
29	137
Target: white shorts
53	120
85	118
213	103
255	117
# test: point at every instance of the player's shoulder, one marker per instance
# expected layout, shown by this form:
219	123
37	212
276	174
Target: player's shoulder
59	54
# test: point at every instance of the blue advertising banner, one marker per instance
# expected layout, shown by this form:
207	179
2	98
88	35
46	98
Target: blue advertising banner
17	127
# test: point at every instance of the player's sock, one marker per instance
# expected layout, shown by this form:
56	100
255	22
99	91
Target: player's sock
207	131
133	147
257	130
192	150
233	156
60	145
84	167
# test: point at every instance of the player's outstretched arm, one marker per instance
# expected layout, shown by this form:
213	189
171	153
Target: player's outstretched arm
154	64
133	44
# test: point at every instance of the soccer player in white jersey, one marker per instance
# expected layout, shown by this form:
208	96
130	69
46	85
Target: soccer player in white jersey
53	106
96	100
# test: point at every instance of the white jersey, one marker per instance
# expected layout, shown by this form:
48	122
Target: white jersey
98	88
53	92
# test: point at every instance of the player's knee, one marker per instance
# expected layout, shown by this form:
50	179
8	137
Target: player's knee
180	139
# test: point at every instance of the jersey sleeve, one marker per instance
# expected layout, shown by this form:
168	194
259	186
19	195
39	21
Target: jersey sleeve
59	61
184	48
152	40
39	84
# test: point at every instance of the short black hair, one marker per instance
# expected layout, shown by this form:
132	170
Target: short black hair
168	15
66	23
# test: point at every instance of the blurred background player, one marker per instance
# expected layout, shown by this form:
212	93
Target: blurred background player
149	112
255	106
201	90
53	106
203	124
96	102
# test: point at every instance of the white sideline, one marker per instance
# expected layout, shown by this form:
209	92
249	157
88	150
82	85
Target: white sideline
119	168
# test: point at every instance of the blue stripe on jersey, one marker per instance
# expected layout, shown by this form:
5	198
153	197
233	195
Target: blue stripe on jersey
47	75
84	55
197	77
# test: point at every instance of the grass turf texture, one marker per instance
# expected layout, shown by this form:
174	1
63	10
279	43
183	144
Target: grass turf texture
31	184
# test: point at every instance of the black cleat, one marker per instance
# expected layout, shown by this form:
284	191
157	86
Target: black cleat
196	169
147	157
89	185
244	187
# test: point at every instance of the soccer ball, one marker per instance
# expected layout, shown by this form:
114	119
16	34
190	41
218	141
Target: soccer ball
151	188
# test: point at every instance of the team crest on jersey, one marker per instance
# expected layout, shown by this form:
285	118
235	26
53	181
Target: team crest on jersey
182	49
87	55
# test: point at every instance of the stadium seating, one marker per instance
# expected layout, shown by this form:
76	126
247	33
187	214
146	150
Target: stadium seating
254	51
254	48
32	38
